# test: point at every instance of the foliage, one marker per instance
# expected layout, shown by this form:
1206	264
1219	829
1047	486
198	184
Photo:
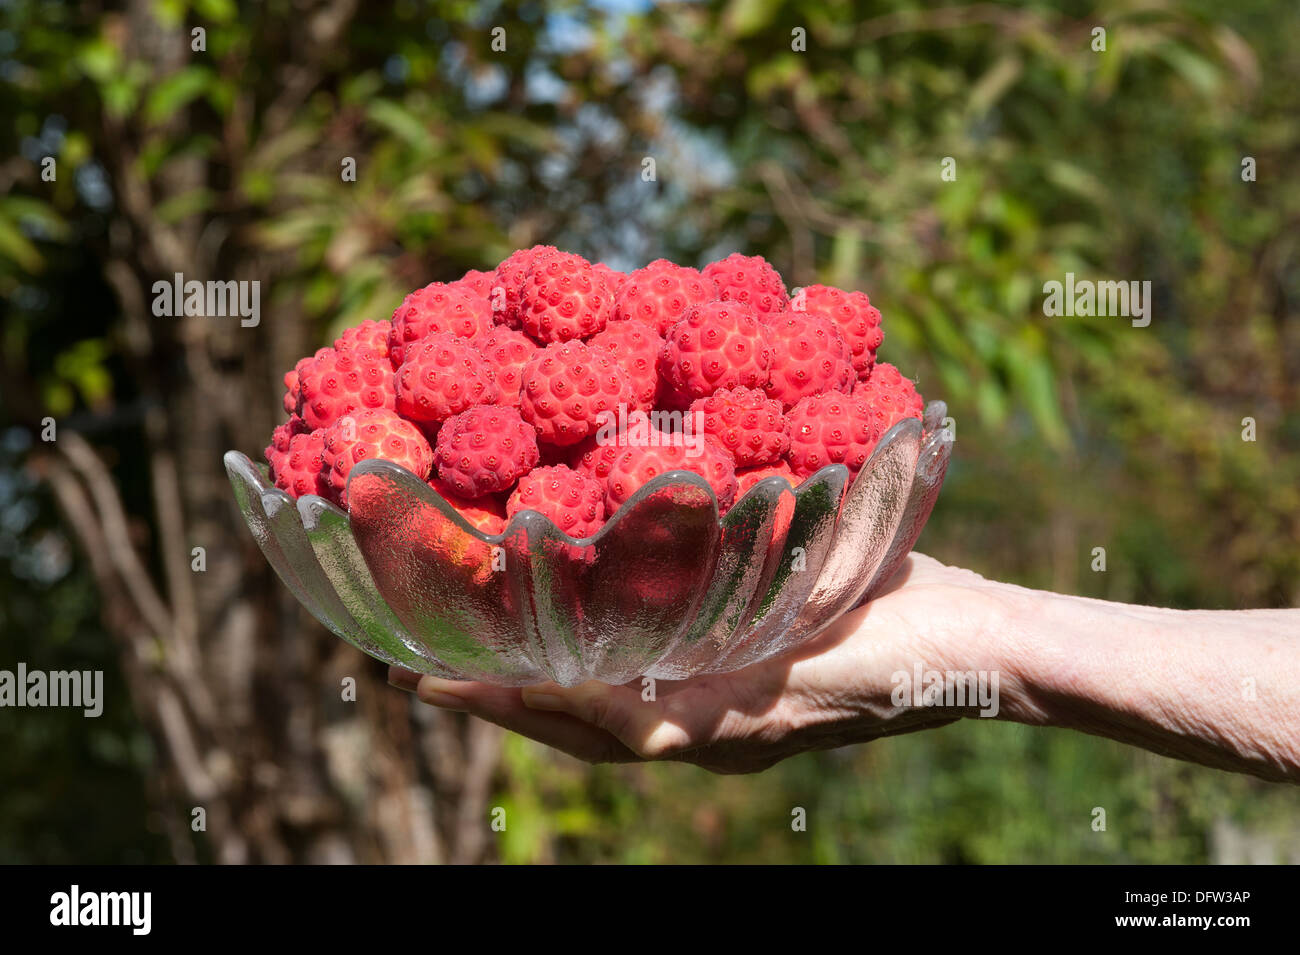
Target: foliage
1072	433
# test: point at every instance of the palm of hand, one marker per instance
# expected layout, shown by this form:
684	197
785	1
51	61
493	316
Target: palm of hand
831	691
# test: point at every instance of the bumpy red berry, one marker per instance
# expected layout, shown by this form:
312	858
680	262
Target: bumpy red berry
442	376
595	455
480	283
889	397
301	468
438	308
829	429
562	298
574	502
484	450
293	383
748	477
638	465
715	345
486	514
280	439
508	350
370	336
748	424
749	279
812	358
291	397
635	346
375	433
613	278
568	386
509	279
336	383
660	293
856	319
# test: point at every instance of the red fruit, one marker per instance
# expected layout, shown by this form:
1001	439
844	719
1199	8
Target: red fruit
889	397
371	335
660	294
508	351
301	469
854	317
337	383
635	346
748	477
290	400
749	279
613	278
567	386
716	345
812	358
293	384
375	433
562	298
485	514
280	438
509	279
594	457
573	501
480	283
437	308
484	450
748	424
829	429
638	465
442	376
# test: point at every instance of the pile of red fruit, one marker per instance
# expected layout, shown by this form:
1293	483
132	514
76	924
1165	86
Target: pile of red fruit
498	388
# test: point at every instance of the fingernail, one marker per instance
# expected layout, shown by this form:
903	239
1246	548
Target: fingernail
542	701
446	701
403	679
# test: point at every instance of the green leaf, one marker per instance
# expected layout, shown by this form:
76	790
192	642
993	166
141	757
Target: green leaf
99	59
46	219
1196	69
177	91
400	121
747	17
16	246
216	11
184	205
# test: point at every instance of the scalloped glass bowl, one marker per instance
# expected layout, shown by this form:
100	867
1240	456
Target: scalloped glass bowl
665	589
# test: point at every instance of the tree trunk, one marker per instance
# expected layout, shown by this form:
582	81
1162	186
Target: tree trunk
241	691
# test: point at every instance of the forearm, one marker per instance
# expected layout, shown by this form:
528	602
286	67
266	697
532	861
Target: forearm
1220	688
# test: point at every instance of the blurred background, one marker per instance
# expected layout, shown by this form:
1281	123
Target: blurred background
221	159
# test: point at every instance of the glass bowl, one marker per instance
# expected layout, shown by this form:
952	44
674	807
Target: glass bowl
665	588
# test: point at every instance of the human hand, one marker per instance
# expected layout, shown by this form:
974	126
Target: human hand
832	691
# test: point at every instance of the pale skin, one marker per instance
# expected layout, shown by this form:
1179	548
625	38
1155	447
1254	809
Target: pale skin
1221	688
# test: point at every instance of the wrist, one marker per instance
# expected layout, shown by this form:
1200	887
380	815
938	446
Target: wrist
983	639
1028	637
1045	651
1181	683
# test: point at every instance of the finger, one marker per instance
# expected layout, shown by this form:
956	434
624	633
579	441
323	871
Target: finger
502	705
655	729
403	678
